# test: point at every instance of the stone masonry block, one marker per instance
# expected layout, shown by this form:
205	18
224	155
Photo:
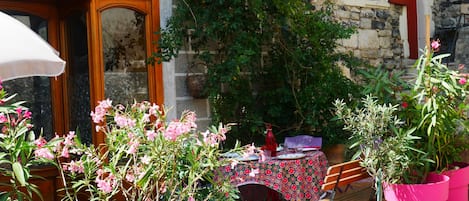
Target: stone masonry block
386	53
382	33
370	54
385	42
342	14
355	9
181	87
368	39
378	25
352	42
199	106
365	23
368	13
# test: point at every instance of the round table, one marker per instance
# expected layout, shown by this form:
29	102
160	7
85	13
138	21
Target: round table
295	179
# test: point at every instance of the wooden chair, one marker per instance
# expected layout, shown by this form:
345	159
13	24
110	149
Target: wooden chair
342	174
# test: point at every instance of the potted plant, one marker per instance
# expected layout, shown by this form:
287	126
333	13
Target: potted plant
386	149
427	125
436	107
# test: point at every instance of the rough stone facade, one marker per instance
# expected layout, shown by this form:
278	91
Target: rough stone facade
452	27
378	38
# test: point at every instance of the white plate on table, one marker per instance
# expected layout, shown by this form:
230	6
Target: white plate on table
291	156
304	149
249	158
230	155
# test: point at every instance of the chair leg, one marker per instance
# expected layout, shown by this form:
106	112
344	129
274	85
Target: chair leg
372	195
332	196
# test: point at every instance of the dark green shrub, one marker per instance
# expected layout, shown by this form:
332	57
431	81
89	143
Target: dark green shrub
267	61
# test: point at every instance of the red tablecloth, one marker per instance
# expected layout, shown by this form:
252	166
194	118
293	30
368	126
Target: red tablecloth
297	179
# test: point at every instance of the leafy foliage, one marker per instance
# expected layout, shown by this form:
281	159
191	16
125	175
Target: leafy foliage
428	125
267	61
17	146
144	157
438	109
385	147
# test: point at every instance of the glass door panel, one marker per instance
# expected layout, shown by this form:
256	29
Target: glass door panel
125	72
35	90
78	86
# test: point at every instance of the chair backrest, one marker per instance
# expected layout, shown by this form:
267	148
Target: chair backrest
343	174
303	141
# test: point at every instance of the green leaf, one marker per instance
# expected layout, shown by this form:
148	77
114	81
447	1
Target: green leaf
19	173
4	196
448	87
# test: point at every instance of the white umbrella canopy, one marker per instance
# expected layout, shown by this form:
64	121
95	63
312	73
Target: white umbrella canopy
23	53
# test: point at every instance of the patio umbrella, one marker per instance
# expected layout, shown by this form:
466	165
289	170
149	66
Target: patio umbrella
23	53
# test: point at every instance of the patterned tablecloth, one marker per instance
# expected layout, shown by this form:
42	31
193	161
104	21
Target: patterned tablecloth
296	179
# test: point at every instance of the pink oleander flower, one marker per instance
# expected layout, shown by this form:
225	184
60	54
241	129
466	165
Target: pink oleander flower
151	135
250	150
27	114
146	118
106	104
75	167
65	152
19	111
104	186
175	129
130	177
100	172
154	110
462	81
43	153
69	139
97	116
124	122
3	118
145	159
133	147
435	44
130	135
190	118
191	198
40	142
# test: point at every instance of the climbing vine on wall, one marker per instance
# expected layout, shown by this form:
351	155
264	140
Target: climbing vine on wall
267	61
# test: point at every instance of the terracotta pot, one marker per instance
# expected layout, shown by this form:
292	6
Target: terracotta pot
196	85
436	189
335	153
458	183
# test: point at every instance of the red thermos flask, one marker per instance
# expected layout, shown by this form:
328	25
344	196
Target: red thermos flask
270	142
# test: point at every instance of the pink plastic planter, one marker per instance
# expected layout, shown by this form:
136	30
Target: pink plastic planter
458	182
436	189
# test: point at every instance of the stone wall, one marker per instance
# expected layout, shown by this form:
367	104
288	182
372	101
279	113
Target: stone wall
378	39
451	27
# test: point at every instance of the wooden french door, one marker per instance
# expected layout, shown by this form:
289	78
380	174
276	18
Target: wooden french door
120	38
105	44
43	95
